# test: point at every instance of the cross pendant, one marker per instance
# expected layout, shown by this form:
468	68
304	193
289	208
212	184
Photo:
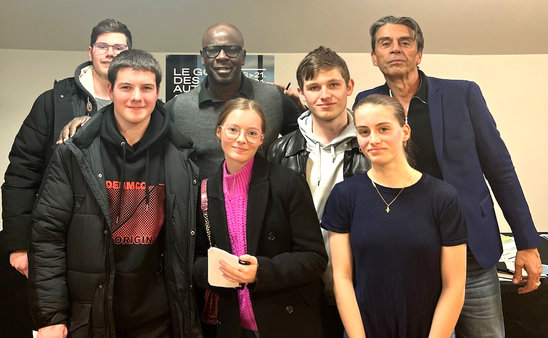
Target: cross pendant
387	209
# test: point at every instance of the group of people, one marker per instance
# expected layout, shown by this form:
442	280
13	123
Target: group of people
374	222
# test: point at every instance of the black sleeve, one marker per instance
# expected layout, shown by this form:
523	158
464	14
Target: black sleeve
28	159
48	293
307	259
291	113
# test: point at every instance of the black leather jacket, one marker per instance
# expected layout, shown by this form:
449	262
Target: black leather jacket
290	151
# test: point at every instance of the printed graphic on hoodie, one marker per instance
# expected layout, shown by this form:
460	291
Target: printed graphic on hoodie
137	217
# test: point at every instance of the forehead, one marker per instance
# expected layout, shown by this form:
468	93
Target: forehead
394	31
222	36
326	74
373	114
112	38
244	118
136	76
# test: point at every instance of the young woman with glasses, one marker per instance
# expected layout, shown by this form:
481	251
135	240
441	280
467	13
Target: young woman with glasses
264	214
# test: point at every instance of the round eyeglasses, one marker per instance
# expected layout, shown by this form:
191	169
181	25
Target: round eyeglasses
103	47
252	135
230	50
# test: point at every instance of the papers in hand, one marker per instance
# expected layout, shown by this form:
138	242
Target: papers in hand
214	275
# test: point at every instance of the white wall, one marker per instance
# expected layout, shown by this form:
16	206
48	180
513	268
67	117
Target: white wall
515	88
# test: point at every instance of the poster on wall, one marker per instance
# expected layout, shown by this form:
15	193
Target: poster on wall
185	71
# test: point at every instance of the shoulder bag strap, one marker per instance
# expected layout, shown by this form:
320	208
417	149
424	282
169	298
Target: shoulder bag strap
203	195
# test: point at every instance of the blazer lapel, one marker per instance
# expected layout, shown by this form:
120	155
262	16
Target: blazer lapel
257	199
435	109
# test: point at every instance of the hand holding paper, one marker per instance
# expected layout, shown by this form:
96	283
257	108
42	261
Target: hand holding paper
214	275
245	272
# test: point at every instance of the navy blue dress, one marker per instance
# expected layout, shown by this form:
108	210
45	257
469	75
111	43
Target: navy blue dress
397	272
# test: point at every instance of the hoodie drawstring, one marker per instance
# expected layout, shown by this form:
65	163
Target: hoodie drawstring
122	179
147	194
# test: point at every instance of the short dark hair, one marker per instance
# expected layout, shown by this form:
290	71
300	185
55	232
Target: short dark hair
135	59
321	58
397	111
242	104
110	26
402	20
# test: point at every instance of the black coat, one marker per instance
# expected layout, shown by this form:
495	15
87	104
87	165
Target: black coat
31	151
283	232
71	258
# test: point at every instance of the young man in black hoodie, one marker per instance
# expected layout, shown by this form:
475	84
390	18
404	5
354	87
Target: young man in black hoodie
113	228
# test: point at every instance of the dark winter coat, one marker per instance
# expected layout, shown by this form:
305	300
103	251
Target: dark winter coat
31	151
71	259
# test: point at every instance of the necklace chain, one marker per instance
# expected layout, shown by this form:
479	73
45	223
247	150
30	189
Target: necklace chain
382	198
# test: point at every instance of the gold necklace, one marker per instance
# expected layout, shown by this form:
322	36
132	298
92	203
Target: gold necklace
382	198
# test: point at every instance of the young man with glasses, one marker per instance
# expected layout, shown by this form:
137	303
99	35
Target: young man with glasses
81	95
195	112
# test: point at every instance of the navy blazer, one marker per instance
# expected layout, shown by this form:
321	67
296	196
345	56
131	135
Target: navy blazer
469	150
283	232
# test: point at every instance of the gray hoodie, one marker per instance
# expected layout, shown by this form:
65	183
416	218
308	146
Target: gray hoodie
324	169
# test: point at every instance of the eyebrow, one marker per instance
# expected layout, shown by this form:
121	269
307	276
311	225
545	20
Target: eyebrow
132	84
404	38
378	124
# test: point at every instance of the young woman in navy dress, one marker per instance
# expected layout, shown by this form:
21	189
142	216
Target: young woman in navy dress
397	237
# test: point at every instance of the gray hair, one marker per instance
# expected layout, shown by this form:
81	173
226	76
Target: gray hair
402	20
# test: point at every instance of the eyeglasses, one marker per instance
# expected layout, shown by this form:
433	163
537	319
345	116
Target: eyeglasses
103	47
252	135
230	50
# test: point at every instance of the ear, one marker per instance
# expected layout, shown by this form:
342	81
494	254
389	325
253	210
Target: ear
218	133
302	97
202	56
244	54
89	52
406	132
349	87
419	57
110	94
374	59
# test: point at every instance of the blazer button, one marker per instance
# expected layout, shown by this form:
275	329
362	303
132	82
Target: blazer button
289	309
271	236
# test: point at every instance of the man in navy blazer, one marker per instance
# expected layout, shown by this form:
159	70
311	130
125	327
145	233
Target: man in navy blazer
454	138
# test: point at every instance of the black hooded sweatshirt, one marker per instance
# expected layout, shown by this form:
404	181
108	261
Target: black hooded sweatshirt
135	182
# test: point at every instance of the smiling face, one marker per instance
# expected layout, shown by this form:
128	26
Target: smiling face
134	95
101	60
380	135
239	151
222	69
396	52
326	95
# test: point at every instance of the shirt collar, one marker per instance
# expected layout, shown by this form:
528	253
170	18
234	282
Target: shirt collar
422	92
246	90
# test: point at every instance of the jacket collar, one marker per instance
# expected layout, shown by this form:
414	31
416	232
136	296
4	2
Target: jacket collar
435	110
257	201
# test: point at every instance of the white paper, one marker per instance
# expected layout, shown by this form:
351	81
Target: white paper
214	275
